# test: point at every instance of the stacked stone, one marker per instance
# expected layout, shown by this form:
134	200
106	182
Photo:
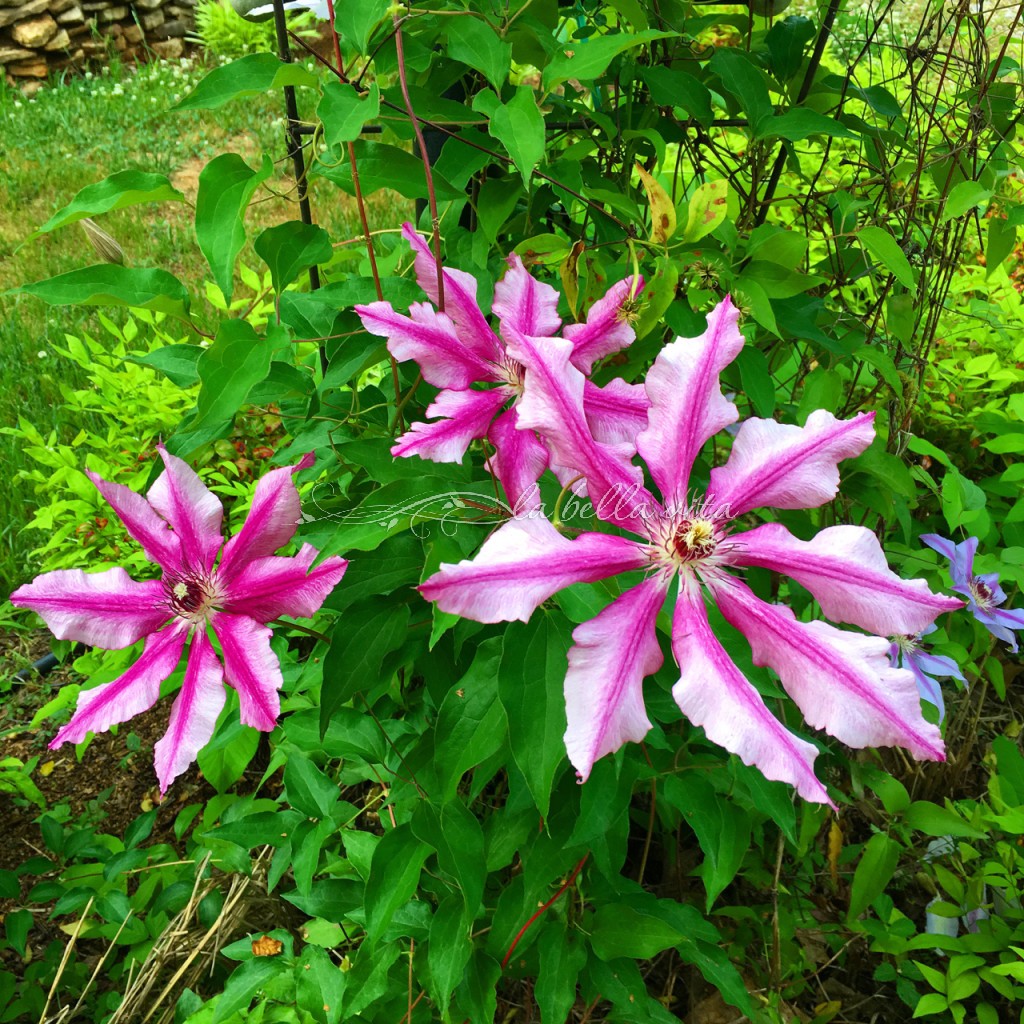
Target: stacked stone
41	36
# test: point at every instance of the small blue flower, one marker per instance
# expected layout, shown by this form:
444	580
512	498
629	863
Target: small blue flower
983	593
907	652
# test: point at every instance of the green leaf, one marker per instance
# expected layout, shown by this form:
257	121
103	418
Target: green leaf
319	985
671	87
394	876
875	868
473	42
383	166
562	957
265	828
244	983
530	683
226	184
17	925
329	898
457	838
742	79
477	997
344	112
756	378
247	76
237	359
933	820
786	41
722	829
355	22
519	126
621	930
365	636
140	829
448	951
125	188
931	1003
290	248
470	723
1002	238
223	760
590	57
106	284
307	789
962	198
801	123
176	362
885	249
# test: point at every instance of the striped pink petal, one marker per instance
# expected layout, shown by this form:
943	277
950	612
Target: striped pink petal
158	541
194	713
843	682
687	405
459	299
266	588
194	512
105	609
251	667
462	417
522	564
617	412
271	523
845	569
780	465
604	700
606	329
552	404
430	339
518	461
713	693
135	691
529	305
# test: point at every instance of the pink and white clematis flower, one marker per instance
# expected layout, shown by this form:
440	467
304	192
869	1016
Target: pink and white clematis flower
842	681
458	349
179	529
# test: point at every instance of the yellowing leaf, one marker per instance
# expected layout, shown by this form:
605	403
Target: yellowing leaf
568	270
663	213
45	769
707	209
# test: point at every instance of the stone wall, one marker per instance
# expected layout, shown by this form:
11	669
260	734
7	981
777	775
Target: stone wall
38	37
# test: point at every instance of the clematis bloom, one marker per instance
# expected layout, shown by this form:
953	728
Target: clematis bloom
179	528
458	350
983	593
908	652
842	681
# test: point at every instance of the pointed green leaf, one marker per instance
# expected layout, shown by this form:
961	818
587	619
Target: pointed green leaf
291	248
394	875
519	126
106	284
530	684
247	76
383	166
884	248
742	79
456	836
874	870
473	42
237	359
226	184
125	188
588	58
319	985
801	123
355	22
344	112
448	952
244	983
369	631
307	789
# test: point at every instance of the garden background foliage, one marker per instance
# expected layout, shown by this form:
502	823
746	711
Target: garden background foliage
416	846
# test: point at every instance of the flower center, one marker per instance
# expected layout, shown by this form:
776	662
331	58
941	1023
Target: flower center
983	594
514	372
690	539
192	596
907	644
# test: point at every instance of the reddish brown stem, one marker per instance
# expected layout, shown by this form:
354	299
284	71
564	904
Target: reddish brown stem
522	931
431	194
